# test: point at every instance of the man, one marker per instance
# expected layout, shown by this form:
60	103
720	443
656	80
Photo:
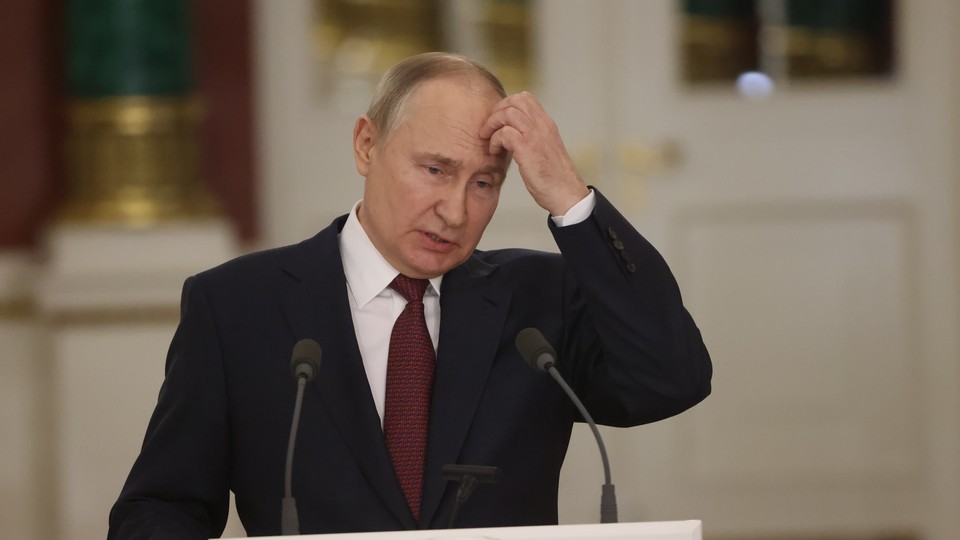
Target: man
380	421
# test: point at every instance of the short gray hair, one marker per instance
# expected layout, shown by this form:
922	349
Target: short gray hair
399	81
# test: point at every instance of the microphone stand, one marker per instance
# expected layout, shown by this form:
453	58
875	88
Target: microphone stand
289	518
608	495
468	476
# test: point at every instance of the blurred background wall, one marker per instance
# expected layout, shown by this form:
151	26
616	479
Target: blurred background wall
794	161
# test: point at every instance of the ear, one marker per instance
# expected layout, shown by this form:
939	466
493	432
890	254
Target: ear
364	139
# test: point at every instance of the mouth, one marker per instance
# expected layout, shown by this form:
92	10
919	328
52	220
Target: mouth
436	238
437	243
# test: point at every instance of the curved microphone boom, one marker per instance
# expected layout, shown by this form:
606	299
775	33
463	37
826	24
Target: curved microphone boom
538	353
304	363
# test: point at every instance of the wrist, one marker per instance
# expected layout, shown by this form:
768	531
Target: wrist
563	205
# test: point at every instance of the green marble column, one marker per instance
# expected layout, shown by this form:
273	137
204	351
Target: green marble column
133	116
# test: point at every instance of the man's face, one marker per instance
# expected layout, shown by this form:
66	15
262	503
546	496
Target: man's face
431	187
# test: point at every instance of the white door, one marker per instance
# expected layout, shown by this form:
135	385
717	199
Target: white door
813	239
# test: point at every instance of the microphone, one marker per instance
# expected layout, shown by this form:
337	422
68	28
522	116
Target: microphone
538	353
304	363
468	477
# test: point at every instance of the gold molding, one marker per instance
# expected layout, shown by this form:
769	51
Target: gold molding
114	316
17	309
134	161
824	53
27	310
717	49
365	37
507	30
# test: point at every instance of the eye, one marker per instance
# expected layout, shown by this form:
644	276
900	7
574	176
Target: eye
434	170
485	183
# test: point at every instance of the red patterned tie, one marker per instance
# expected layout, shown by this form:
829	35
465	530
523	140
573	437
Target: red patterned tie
410	368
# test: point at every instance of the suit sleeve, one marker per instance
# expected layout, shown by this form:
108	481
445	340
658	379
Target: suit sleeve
630	348
178	487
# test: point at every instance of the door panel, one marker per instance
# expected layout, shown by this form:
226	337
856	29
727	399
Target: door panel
809	233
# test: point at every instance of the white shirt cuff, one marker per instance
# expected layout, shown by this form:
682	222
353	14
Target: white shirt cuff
578	212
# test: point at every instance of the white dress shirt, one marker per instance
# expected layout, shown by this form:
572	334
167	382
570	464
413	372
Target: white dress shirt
374	306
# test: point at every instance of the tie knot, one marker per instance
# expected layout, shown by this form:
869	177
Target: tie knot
410	289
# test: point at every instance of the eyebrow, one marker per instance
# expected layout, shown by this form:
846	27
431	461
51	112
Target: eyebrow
443	160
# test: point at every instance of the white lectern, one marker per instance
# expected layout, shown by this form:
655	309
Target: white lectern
654	530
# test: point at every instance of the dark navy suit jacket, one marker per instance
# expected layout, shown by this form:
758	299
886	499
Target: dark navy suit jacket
608	304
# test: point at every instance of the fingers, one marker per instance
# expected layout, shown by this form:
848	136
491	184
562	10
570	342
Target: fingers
517	122
521	111
506	137
523	101
509	116
520	125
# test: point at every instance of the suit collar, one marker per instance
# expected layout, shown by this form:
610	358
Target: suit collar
472	313
473	310
317	307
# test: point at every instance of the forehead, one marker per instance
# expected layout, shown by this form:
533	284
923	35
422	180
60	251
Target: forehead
459	98
448	113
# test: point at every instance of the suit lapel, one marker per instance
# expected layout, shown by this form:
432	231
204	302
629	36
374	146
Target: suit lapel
318	307
472	315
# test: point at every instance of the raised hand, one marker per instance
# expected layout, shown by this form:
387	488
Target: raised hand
519	125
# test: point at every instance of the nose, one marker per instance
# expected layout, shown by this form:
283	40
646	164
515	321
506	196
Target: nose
452	206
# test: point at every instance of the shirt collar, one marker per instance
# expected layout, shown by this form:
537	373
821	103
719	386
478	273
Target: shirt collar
367	272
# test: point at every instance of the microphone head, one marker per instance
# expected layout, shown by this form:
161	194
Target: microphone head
535	349
306	359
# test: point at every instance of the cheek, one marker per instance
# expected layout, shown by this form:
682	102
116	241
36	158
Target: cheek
481	214
409	186
410	205
399	189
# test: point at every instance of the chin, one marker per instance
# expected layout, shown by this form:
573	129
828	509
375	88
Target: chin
437	268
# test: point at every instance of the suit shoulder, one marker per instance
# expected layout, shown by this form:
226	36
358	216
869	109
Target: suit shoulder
519	259
248	265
